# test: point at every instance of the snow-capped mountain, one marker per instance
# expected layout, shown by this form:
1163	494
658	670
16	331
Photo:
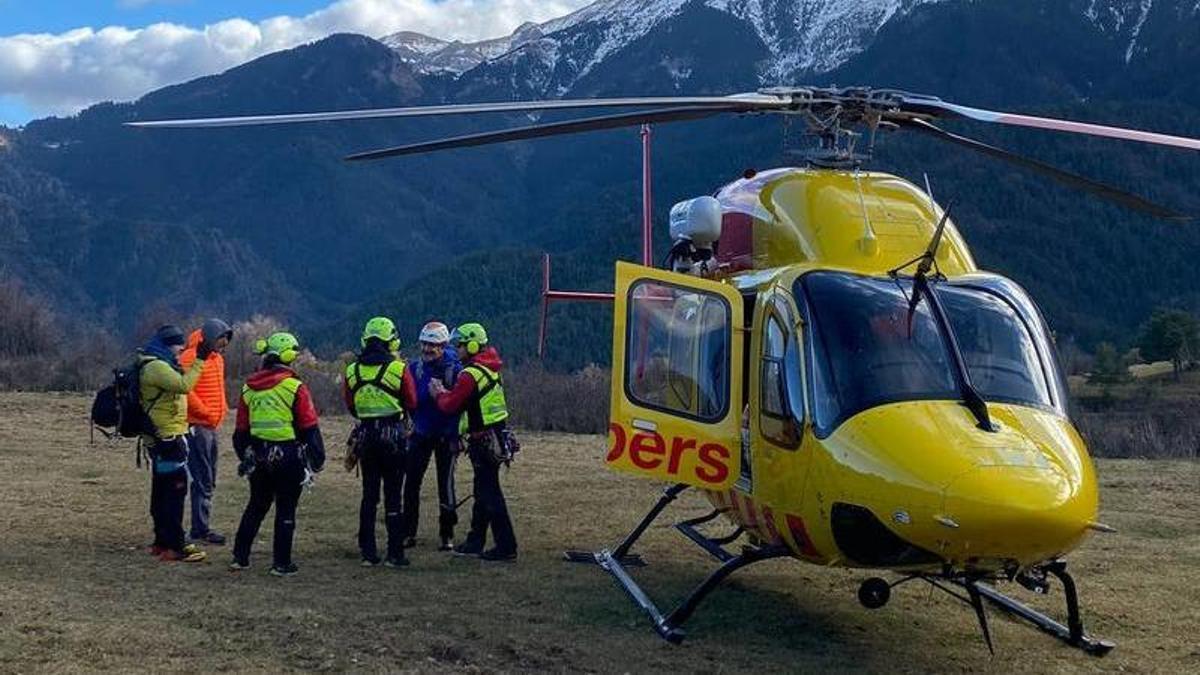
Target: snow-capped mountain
1124	20
1127	62
800	35
432	55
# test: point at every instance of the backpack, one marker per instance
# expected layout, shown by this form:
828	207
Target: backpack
119	405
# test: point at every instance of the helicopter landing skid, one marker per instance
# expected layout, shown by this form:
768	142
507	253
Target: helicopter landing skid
1072	634
669	626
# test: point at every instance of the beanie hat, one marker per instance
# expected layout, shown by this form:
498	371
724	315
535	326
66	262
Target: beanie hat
215	329
170	335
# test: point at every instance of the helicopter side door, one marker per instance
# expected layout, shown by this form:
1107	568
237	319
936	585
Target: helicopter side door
677	378
777	449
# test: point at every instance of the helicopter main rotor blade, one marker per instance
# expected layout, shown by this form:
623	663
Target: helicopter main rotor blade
552	129
763	101
1076	181
940	108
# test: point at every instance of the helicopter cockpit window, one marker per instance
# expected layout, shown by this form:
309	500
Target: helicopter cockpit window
677	354
866	353
999	351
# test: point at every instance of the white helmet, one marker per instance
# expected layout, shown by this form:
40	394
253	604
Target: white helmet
435	332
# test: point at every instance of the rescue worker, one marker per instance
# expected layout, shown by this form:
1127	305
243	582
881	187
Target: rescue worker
478	394
206	408
435	434
278	440
163	387
378	389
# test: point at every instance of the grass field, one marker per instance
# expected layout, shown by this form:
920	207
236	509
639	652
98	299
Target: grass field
77	592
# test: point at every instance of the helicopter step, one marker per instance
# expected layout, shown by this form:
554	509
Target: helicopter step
714	546
669	626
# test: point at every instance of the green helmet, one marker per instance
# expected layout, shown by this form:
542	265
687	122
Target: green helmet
283	345
471	335
382	329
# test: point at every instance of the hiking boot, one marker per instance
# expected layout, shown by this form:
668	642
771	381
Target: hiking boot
239	565
214	538
190	554
396	562
409	542
286	571
370	560
446	545
468	548
496	555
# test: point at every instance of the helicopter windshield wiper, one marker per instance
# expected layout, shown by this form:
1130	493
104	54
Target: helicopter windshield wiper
923	288
926	262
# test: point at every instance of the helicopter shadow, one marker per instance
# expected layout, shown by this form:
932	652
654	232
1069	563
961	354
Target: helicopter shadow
815	622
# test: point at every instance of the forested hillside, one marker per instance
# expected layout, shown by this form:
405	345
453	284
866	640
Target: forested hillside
110	221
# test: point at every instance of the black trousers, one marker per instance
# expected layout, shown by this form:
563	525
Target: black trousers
277	478
168	491
490	509
381	464
443	450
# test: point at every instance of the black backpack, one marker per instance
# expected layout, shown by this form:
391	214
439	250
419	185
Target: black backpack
119	405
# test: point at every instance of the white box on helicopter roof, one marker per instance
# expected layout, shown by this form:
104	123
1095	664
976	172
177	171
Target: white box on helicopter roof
697	220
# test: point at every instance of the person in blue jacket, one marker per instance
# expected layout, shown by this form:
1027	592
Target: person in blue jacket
435	434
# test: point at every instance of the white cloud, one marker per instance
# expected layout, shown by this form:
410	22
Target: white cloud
62	73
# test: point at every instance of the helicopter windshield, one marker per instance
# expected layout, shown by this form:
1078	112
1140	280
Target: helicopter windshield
866	355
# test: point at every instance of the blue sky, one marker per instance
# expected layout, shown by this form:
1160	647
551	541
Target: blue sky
60	56
57	16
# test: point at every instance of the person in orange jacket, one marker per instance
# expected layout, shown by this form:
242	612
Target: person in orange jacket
207	406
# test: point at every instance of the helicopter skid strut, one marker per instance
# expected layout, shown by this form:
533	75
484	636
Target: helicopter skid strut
669	626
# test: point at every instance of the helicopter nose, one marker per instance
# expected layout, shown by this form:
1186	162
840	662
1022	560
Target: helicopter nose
1021	513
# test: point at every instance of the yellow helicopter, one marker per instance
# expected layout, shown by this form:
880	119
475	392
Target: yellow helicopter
823	360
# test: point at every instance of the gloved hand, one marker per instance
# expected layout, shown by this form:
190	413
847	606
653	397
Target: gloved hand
203	350
436	388
246	465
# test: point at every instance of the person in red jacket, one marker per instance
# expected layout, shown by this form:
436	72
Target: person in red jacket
478	394
278	440
206	408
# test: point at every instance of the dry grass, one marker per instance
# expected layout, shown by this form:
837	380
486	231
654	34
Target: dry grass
77	593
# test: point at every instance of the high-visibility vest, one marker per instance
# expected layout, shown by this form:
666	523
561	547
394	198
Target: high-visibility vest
271	410
487	406
376	389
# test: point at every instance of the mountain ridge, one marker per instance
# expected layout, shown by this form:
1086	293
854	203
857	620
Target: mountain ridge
232	221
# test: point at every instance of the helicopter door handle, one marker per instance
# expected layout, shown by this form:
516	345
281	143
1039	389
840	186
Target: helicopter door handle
644	425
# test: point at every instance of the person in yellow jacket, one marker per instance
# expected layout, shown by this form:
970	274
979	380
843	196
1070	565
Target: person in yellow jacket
379	392
163	388
206	410
478	395
278	440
